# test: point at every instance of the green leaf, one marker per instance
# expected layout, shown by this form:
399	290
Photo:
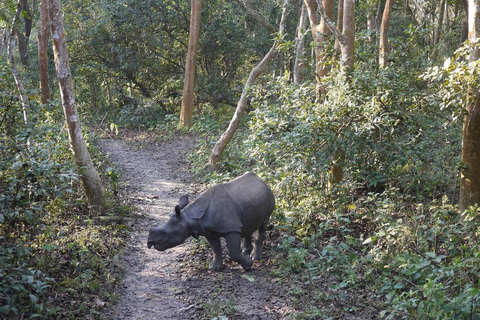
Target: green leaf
33	298
2	218
4	309
399	286
249	278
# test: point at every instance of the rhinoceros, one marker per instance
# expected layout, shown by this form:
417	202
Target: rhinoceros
230	210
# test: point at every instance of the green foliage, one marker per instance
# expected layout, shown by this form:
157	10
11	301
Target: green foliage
54	261
389	228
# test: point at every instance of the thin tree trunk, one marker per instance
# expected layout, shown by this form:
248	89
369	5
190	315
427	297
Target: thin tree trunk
320	36
217	151
464	34
470	174
378	17
324	35
447	16
371	25
13	67
302	25
348	45
338	46
436	40
24	37
348	60
383	47
347	42
42	37
90	178
189	82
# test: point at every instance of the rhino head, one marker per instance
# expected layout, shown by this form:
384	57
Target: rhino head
172	233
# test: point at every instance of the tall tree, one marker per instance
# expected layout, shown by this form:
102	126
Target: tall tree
24	37
13	66
302	26
347	46
383	46
90	178
42	37
225	138
189	81
438	32
320	35
339	25
371	24
470	174
347	37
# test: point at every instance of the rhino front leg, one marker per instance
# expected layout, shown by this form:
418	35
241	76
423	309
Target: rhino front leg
217	263
247	245
233	245
257	252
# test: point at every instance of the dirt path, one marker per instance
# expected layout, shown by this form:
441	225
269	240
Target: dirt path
176	284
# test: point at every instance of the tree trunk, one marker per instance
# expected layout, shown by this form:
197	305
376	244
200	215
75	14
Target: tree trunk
371	26
464	34
13	67
470	158
90	178
378	17
302	26
348	45
189	82
323	69
42	37
383	47
338	46
24	37
320	33
217	151
436	39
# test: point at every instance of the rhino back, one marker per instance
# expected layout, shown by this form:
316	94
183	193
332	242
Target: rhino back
241	205
253	198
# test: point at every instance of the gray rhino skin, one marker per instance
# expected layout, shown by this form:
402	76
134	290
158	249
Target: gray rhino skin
230	210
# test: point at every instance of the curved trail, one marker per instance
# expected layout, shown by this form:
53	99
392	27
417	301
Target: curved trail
176	284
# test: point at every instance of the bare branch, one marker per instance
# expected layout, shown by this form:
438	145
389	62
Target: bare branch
338	35
257	16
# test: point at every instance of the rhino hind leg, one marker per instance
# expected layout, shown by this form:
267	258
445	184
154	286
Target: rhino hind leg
247	245
217	263
257	251
233	245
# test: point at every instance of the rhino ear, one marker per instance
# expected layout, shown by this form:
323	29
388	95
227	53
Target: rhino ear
183	202
177	211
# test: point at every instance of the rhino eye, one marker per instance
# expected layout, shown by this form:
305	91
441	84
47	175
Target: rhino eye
163	232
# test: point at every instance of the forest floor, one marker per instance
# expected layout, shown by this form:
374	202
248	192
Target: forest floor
176	284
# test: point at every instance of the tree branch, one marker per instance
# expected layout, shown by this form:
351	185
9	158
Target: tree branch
338	35
257	16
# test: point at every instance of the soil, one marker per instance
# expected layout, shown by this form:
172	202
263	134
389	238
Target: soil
176	284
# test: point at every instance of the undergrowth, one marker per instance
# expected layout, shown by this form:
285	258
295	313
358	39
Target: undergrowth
388	241
56	260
